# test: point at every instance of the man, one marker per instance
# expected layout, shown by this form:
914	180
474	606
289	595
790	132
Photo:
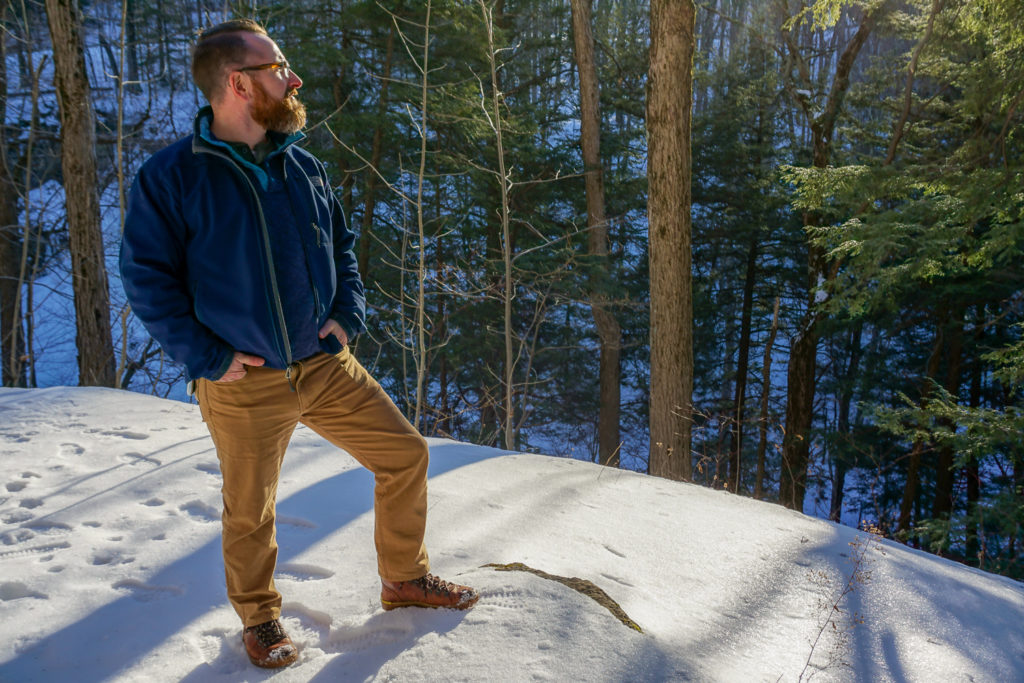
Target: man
237	259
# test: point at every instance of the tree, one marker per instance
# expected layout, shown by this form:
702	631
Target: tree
800	373
78	162
668	211
608	330
11	339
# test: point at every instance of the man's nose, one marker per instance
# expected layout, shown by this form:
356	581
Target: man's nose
293	80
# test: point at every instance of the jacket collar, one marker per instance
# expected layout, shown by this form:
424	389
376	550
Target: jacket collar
203	140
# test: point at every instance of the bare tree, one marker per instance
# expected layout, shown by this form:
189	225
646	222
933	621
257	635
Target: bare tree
495	119
670	82
78	163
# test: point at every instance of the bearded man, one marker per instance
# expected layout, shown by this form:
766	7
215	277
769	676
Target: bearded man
237	259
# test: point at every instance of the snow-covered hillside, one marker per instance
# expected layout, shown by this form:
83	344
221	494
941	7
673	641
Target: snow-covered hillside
110	569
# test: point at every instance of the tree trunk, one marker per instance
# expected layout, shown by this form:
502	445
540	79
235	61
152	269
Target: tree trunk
608	330
842	459
338	91
914	461
766	390
78	164
11	340
670	85
370	198
942	505
973	474
796	445
743	363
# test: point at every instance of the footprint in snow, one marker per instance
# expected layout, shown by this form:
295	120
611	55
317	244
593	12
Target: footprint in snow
144	592
507	598
70	450
201	510
125	434
153	502
211	645
307	617
31	503
368	636
16	536
17	516
44	527
303	572
105	557
296	522
209	468
15	486
16	590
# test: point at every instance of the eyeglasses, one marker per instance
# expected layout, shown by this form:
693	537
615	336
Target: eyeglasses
283	67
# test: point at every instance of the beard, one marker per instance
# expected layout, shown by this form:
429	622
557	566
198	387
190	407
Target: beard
286	115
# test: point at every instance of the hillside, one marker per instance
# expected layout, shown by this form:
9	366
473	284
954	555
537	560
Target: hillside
110	569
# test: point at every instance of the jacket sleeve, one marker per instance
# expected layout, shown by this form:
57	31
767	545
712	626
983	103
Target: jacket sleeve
349	305
154	274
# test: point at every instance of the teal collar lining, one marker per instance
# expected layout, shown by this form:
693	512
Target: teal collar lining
283	142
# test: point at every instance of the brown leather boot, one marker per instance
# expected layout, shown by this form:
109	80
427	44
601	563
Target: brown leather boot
268	646
427	591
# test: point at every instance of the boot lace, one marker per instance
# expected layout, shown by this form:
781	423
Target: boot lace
436	585
269	632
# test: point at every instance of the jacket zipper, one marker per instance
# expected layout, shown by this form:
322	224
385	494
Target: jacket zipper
275	292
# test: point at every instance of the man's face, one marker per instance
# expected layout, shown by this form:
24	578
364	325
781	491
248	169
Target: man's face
274	104
283	115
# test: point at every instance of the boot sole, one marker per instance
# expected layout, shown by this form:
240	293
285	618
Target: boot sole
390	605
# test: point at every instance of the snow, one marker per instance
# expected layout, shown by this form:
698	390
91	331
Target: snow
110	569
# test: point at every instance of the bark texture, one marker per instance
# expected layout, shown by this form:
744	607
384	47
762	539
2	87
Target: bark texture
670	86
11	342
78	165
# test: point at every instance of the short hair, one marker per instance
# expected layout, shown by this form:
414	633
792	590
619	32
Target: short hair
218	47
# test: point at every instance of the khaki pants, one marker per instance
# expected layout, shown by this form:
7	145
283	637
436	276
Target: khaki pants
251	421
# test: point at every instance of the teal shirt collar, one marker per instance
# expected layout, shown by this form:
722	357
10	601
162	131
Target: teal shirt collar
282	142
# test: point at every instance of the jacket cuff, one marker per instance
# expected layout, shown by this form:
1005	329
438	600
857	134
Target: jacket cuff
222	368
349	323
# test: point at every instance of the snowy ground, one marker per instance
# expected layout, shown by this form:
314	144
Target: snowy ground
110	569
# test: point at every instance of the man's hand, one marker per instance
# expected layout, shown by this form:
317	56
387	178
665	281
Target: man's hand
236	370
332	327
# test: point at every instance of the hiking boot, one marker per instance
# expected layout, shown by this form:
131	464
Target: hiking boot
427	591
268	646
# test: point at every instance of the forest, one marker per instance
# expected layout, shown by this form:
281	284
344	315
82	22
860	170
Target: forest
815	297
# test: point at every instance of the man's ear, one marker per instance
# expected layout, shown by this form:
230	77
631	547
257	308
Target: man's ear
239	86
